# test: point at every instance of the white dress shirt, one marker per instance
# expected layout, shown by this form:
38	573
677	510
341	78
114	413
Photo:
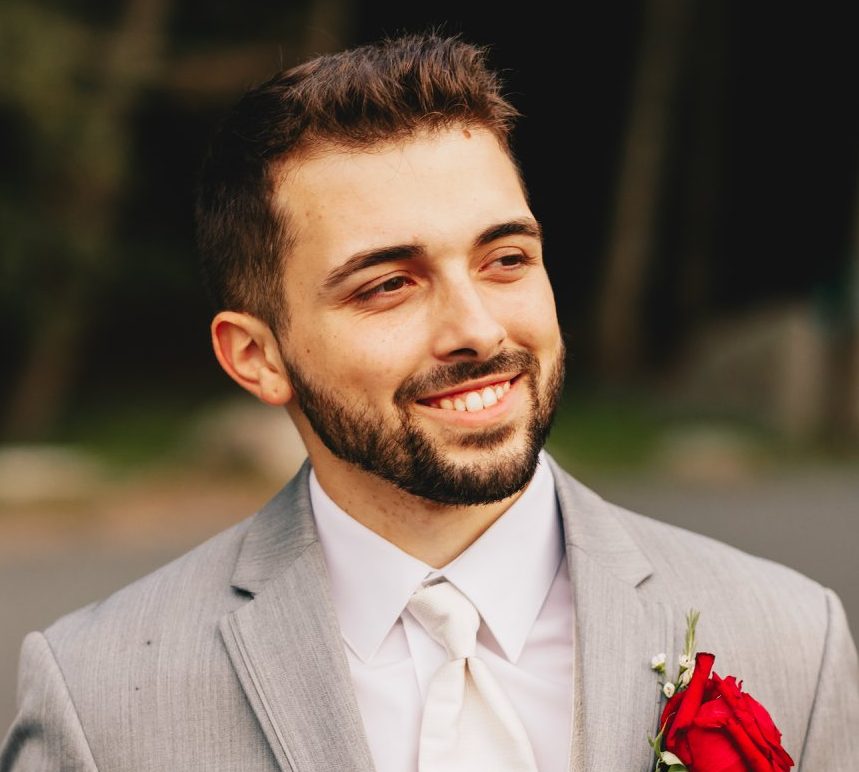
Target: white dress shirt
516	576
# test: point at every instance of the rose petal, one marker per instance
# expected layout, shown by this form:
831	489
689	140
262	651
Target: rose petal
671	707
737	700
770	731
682	749
763	720
727	685
747	710
692	696
756	760
713	715
711	751
710	690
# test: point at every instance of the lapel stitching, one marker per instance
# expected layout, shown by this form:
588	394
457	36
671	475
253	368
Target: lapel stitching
285	642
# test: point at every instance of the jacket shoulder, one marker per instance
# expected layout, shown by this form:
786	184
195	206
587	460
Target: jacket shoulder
681	556
745	596
186	591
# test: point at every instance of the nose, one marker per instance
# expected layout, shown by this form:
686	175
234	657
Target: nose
465	327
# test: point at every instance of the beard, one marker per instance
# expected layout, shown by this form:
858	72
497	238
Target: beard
408	457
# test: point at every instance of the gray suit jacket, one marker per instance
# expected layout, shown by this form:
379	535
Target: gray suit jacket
230	657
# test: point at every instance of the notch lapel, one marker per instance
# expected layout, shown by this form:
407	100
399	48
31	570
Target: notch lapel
285	643
616	698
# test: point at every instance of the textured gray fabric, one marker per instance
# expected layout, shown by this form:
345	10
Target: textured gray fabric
230	657
784	635
46	745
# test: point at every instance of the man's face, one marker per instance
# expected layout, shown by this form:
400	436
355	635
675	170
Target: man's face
422	343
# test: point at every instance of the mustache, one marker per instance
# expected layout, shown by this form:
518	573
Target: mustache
449	376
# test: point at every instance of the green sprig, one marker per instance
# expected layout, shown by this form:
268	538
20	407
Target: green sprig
691	624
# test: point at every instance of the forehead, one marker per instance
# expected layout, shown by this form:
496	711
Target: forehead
438	189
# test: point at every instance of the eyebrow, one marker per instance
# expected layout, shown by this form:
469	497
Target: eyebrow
368	259
523	226
362	260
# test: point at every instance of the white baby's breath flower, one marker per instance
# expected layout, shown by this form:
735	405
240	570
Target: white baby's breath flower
669	758
668	690
658	662
686	676
686	661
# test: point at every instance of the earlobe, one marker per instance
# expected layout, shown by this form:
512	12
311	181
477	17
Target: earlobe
247	350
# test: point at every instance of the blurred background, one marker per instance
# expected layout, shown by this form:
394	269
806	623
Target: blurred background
694	165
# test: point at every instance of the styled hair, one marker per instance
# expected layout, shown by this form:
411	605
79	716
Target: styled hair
353	99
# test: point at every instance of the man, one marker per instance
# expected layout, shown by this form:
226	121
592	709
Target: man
368	241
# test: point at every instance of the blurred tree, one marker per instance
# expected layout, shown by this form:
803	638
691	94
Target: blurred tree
71	97
76	88
732	187
852	381
699	191
844	355
632	238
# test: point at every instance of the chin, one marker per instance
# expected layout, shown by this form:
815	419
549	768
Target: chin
503	439
486	449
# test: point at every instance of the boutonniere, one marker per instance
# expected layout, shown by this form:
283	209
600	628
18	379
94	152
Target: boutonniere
709	723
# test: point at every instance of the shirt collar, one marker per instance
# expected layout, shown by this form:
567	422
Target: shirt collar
506	573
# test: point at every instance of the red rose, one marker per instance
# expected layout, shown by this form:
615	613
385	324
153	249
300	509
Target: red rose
713	726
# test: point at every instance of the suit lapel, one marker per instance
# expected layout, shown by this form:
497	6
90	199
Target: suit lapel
618	629
286	648
285	643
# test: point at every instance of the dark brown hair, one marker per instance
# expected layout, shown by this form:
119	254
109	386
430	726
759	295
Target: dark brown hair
354	98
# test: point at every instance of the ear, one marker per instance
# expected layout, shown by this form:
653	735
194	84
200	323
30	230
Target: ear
248	351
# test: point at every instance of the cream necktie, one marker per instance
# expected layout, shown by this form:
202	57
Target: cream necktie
469	724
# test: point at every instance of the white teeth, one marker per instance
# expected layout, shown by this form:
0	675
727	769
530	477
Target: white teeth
473	402
489	396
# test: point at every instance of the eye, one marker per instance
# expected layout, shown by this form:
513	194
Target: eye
511	260
388	287
509	264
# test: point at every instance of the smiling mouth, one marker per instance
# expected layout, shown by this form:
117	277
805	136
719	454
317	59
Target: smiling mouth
471	400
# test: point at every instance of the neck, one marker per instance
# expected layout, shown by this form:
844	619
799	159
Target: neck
431	532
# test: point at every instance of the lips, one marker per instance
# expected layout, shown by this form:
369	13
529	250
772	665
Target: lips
472	399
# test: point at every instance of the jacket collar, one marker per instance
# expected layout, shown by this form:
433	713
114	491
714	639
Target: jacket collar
284	528
277	535
592	527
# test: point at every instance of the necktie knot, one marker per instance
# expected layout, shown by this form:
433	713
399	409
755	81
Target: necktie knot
448	616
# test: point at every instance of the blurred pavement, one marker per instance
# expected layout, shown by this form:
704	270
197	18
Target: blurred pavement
807	519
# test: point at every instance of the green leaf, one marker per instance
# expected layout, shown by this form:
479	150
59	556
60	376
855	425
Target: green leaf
678	768
656	742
